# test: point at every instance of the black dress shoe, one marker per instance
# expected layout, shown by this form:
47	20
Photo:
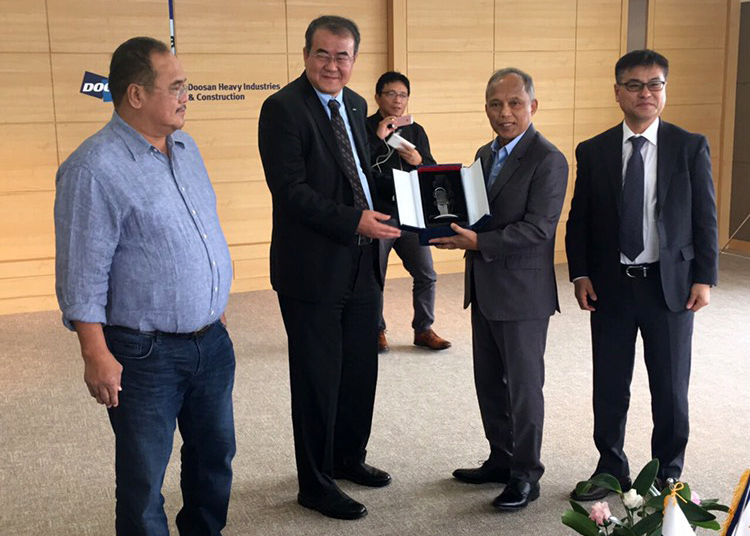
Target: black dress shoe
339	507
363	474
516	495
483	474
596	493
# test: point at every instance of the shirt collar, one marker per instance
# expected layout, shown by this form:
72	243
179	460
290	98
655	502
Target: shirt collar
136	143
325	97
496	148
651	133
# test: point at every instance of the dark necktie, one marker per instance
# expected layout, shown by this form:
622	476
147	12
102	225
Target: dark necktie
350	166
631	209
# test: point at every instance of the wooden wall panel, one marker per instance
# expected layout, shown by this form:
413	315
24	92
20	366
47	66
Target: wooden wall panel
29	157
210	70
71	135
695	76
450	26
598	24
25	94
557	127
26	226
595	78
469	72
67	74
553	74
693	24
371	17
455	138
93	26
23	26
245	211
535	25
229	148
238	27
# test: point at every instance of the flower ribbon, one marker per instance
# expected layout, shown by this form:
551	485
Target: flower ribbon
674	488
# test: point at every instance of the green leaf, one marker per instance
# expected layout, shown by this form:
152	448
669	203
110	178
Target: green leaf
648	524
695	513
711	525
606	481
623	531
580	523
658	501
578	508
646	477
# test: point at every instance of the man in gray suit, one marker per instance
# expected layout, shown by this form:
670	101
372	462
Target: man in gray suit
510	283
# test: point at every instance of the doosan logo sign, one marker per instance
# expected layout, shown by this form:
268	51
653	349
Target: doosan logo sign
96	85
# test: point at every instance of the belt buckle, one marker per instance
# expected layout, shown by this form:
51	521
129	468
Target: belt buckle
638	271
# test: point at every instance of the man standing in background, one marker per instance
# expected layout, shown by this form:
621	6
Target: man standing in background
642	244
392	95
510	284
324	264
143	275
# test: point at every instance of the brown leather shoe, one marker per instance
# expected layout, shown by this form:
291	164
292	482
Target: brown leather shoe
430	339
382	343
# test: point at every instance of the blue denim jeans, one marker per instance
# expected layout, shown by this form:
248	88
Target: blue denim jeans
167	380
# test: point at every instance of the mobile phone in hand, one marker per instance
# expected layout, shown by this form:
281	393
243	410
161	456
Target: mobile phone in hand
402	121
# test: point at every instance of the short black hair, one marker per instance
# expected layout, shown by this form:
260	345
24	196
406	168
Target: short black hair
131	64
391	76
640	58
334	24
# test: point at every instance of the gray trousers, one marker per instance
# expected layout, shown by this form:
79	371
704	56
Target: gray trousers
417	260
509	377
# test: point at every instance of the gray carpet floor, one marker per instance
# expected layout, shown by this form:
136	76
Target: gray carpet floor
56	447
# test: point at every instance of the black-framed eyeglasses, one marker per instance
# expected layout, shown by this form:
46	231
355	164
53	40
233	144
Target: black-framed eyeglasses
393	94
636	86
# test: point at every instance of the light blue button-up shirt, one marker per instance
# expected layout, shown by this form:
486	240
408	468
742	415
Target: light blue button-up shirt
137	234
324	98
499	156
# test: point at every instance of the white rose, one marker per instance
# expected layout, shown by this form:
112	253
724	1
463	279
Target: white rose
632	500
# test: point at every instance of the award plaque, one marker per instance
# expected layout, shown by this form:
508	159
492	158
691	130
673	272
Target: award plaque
430	198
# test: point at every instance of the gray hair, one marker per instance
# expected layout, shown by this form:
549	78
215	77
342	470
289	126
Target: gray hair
528	82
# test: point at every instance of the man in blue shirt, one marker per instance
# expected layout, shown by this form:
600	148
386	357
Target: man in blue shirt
143	275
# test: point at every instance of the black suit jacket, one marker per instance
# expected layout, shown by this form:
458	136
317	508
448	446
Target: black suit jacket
513	272
685	214
314	219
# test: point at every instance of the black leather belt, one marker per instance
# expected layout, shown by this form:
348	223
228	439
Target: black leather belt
361	240
640	271
157	333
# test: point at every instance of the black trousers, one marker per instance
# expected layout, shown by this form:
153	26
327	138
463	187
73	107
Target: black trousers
637	304
333	368
509	377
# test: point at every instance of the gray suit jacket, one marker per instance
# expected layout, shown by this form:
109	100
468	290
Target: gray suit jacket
513	274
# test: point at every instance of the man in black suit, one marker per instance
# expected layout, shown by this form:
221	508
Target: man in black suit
510	283
392	92
642	251
324	264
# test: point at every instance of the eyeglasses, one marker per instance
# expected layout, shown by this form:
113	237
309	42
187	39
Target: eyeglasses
393	94
636	86
177	92
342	60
